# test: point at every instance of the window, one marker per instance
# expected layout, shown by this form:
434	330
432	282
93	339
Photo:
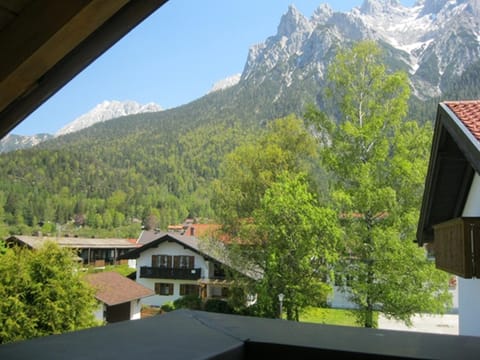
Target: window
163	288
218	271
188	289
162	261
184	262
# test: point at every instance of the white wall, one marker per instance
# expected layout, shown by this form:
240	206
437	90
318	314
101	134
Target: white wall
339	299
135	310
469	289
98	313
168	248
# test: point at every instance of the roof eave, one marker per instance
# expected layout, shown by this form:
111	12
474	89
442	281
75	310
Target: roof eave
447	123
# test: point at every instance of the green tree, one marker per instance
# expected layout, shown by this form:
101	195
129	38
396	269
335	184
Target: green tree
293	241
378	167
251	168
42	294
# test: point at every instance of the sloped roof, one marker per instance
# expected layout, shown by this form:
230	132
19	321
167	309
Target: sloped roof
112	288
151	238
35	242
454	159
215	250
468	112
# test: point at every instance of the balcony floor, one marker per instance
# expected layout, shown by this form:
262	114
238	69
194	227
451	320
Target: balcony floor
187	334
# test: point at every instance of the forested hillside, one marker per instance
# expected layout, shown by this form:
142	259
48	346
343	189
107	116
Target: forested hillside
154	169
150	167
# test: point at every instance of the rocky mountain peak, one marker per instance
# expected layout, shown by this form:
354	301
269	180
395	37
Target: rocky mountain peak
293	21
371	7
225	83
433	6
105	111
474	7
322	14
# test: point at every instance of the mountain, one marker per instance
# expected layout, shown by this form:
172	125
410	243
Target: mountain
107	110
163	165
225	83
435	41
13	142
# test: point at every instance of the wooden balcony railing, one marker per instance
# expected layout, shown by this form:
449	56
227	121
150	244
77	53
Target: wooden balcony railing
170	273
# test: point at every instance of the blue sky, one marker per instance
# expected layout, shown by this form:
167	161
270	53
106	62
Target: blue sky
173	57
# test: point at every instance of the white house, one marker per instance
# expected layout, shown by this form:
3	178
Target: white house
449	223
118	296
174	265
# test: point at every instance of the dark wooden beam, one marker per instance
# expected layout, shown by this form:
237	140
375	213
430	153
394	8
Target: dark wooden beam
83	31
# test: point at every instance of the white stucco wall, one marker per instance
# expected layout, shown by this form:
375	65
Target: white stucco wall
172	249
135	310
339	299
98	313
469	289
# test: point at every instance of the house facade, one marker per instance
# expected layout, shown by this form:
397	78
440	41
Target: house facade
449	223
174	266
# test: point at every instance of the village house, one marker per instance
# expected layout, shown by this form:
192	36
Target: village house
91	251
449	224
174	265
118	296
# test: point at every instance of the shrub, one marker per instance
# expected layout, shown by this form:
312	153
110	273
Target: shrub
218	306
192	302
167	307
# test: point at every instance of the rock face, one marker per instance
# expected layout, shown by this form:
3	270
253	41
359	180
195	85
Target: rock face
16	142
434	41
105	111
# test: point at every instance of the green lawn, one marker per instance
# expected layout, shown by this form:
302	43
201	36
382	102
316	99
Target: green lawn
121	269
330	316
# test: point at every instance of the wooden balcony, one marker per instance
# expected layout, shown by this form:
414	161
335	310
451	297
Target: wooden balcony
170	273
457	247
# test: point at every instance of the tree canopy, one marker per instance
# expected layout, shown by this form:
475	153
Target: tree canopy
378	164
42	293
295	245
266	199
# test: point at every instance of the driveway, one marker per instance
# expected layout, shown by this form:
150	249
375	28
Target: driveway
436	324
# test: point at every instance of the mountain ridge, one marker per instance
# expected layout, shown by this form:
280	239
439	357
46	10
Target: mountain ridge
427	40
164	164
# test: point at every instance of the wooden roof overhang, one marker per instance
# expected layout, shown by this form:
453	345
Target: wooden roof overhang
44	44
454	159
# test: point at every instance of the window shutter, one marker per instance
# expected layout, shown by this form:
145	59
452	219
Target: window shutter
176	262
170	289
157	288
155	261
182	289
191	262
169	264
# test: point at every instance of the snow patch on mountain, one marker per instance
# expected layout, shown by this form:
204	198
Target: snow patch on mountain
435	39
225	83
107	110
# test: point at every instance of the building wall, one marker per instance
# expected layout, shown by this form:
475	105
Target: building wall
469	289
135	309
168	248
100	312
339	299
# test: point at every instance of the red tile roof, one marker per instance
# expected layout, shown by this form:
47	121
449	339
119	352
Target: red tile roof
469	114
113	288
